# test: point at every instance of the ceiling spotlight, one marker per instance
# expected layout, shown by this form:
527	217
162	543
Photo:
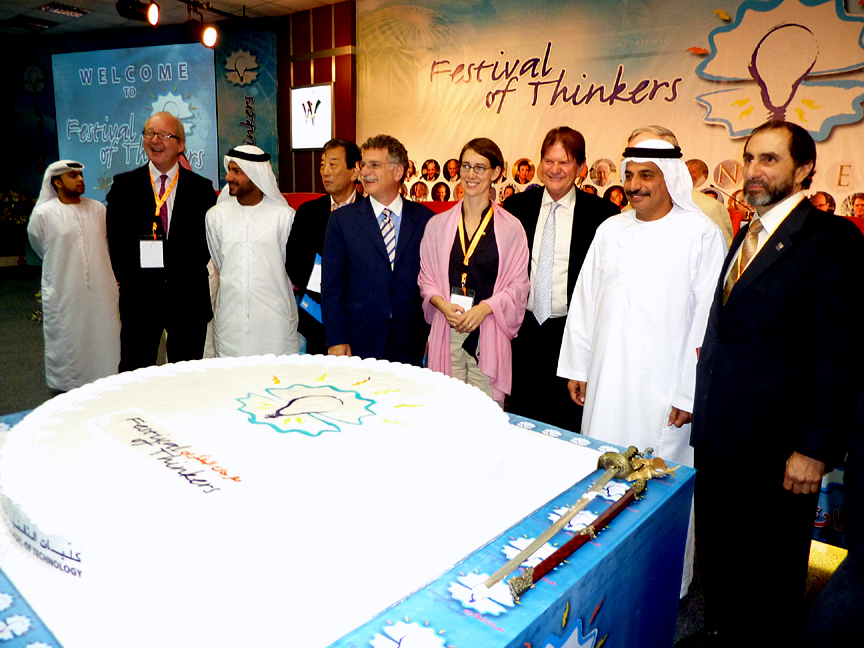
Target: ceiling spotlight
209	36
195	30
134	10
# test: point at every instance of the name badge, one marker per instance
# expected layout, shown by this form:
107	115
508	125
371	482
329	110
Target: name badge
151	253
314	283
466	301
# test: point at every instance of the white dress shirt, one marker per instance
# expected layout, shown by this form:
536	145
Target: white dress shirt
561	264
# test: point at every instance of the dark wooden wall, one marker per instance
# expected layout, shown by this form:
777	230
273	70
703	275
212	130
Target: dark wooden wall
321	47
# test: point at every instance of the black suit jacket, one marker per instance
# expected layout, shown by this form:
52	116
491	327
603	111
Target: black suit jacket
307	240
183	282
363	301
589	212
779	369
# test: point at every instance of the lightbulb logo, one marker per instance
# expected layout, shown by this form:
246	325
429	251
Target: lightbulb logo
776	51
241	68
34	80
305	409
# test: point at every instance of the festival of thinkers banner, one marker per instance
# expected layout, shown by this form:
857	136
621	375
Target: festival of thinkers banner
103	99
246	93
511	70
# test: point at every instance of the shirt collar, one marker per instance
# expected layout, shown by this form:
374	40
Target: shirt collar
777	214
156	173
568	202
351	199
395	207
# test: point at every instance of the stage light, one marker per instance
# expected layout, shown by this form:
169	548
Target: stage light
134	10
153	14
207	35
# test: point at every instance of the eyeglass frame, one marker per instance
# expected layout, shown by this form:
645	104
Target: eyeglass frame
465	168
162	137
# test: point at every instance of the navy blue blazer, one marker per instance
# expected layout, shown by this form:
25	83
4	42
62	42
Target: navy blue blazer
363	301
779	369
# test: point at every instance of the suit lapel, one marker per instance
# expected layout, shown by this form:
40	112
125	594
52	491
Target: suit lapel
530	231
775	247
179	200
406	229
369	225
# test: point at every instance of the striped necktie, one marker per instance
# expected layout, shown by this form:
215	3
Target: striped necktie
388	231
748	251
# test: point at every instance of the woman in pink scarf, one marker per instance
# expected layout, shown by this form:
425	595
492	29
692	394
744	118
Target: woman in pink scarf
474	278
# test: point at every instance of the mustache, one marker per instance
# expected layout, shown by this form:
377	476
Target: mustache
630	194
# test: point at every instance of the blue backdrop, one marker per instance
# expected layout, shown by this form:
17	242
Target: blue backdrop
103	99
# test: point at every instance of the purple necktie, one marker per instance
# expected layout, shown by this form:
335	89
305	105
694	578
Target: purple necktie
163	210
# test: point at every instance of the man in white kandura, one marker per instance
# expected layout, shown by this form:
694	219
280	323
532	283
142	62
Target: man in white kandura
639	311
81	321
247	231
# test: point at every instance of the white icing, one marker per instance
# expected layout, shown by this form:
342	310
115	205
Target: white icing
325	514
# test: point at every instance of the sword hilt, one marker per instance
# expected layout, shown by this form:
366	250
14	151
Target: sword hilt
620	461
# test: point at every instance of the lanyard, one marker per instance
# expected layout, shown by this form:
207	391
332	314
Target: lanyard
160	200
481	230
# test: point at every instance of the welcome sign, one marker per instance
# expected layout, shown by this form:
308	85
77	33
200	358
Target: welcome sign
103	99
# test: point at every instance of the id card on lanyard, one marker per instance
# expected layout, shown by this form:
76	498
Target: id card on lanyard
151	251
462	295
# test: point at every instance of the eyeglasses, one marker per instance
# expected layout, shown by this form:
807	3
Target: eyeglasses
150	134
375	165
479	169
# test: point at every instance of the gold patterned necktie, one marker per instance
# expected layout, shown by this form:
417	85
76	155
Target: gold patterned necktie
748	251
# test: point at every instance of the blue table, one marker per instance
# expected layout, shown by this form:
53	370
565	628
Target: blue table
620	589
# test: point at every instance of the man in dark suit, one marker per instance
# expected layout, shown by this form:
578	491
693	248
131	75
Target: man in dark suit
370	299
777	378
537	391
159	250
340	168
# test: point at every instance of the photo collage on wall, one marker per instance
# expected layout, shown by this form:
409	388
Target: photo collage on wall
435	181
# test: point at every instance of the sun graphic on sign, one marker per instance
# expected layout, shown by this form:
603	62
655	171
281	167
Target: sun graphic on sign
175	104
308	410
241	68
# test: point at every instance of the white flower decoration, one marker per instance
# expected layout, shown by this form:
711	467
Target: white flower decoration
608	448
472	593
38	644
5	601
14	626
613	491
517	545
552	432
580	441
581	520
407	635
526	425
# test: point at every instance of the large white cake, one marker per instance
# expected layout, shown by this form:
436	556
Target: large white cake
258	501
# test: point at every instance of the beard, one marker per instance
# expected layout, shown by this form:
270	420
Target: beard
771	194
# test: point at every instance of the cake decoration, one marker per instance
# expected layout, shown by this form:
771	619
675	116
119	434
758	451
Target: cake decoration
120	468
305	409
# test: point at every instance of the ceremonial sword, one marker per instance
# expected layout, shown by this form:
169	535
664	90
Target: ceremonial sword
616	465
520	584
